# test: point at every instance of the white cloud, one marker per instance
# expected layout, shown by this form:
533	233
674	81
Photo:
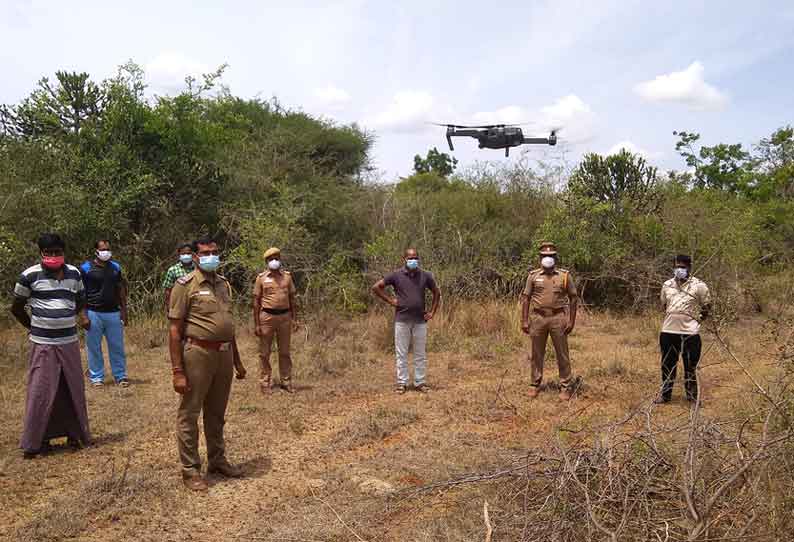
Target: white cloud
687	87
634	149
167	71
629	146
572	114
409	111
506	115
331	96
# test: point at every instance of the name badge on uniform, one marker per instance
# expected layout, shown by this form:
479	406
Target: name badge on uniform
268	279
204	292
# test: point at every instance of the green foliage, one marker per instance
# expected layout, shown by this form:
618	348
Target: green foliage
93	160
721	167
438	163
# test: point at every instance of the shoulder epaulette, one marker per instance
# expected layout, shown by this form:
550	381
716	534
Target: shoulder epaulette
185	279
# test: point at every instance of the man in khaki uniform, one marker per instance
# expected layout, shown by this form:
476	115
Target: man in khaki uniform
548	307
274	315
203	352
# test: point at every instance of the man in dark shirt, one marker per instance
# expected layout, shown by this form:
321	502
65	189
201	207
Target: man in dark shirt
106	300
410	321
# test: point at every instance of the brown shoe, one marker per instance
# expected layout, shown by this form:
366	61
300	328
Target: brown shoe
533	392
399	389
195	482
226	469
286	385
422	388
565	394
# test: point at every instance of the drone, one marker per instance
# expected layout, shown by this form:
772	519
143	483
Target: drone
497	136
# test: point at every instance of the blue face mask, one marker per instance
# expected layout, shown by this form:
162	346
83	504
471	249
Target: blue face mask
209	263
412	264
186	259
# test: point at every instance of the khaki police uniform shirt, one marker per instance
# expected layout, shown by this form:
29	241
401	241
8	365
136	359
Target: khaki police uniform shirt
274	289
683	304
204	302
547	290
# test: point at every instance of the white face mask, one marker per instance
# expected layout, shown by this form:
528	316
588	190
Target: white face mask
681	273
274	265
186	259
103	255
547	262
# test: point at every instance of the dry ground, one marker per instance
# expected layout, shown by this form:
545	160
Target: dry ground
321	464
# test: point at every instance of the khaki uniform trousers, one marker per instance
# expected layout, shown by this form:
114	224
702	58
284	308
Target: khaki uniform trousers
209	374
280	326
541	326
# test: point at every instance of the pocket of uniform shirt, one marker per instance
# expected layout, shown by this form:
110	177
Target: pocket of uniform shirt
204	304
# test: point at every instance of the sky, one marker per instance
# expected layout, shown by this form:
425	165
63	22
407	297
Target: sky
613	74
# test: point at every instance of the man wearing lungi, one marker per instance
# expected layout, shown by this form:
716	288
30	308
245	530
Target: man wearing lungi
55	405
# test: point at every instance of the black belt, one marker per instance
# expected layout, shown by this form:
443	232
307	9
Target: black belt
275	312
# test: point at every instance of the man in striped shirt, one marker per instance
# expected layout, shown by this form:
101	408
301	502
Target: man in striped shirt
55	405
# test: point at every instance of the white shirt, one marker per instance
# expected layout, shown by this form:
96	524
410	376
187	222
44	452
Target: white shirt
683	303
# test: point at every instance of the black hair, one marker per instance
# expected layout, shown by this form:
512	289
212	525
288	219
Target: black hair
204	240
184	245
51	240
96	245
684	259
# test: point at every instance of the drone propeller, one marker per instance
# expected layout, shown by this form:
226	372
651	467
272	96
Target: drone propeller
478	127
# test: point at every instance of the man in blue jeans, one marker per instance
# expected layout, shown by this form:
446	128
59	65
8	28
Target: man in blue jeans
411	316
106	300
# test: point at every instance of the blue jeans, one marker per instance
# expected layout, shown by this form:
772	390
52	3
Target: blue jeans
107	324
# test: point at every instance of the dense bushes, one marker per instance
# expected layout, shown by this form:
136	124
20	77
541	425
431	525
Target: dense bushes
103	160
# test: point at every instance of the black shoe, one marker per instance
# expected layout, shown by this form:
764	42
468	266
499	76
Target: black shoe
74	444
660	400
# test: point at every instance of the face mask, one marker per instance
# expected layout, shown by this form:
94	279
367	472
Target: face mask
274	265
103	255
186	259
681	273
52	262
209	263
547	262
412	264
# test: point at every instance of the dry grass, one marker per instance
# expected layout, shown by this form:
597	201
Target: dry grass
305	454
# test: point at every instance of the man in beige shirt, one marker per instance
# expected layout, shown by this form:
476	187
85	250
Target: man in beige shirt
274	316
548	308
203	352
686	301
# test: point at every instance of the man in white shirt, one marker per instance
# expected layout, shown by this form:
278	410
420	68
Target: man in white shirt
686	301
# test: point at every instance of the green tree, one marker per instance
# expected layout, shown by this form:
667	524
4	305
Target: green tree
55	109
621	182
438	163
726	167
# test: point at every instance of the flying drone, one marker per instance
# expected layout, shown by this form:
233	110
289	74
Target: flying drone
497	136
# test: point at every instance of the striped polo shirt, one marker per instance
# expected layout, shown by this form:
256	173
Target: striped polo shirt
53	303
